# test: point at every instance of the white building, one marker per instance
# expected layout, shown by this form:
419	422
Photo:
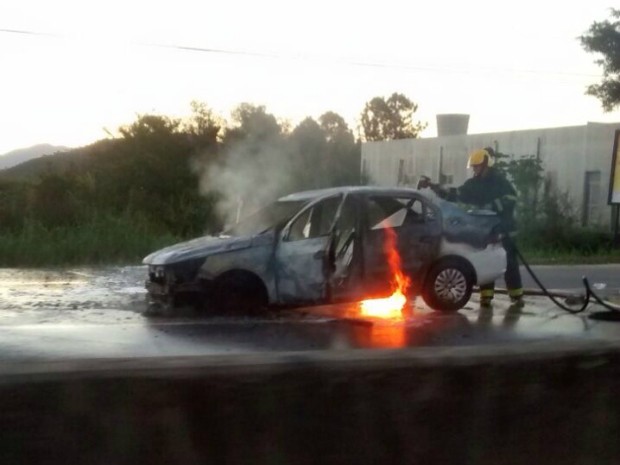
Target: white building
577	159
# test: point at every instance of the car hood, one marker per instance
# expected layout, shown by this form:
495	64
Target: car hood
201	247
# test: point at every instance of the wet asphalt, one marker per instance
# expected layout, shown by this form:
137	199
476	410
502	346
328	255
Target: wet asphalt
98	313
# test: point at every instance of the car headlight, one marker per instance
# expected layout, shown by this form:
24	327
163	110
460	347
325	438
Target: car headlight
158	271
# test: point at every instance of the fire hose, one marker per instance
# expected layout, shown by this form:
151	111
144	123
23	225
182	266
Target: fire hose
612	313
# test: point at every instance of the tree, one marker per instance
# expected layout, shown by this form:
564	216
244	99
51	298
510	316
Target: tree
151	174
204	126
343	152
335	127
390	119
252	123
545	215
604	38
149	126
308	146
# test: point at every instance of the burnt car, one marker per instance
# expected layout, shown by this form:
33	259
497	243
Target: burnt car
329	245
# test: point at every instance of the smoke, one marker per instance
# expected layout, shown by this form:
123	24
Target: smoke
249	176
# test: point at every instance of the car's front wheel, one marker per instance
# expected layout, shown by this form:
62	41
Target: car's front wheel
240	293
448	285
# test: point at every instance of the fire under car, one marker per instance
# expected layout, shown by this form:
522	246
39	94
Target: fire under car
328	246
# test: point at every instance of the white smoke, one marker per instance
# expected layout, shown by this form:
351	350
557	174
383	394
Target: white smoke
248	177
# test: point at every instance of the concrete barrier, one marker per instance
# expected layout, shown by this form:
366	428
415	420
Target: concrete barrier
538	403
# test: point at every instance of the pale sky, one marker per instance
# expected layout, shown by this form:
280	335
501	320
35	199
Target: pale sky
96	65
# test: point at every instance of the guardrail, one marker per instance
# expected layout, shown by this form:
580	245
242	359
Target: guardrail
539	403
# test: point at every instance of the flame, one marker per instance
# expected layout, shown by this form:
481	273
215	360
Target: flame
389	307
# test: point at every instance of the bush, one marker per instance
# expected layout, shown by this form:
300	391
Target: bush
545	215
102	239
579	241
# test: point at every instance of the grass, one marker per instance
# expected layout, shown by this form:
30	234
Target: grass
102	240
126	239
558	256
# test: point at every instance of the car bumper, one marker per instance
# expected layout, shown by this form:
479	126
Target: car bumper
489	263
158	291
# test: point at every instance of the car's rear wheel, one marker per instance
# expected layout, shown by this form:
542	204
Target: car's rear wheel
448	285
239	293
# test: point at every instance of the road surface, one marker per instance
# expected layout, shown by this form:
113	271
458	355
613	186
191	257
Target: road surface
569	277
97	312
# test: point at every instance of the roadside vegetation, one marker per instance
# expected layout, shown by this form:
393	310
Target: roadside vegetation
161	180
549	228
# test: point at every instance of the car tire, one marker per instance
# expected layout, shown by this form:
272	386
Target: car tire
448	285
159	308
239	293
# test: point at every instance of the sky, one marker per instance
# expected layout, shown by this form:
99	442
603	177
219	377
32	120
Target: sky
74	71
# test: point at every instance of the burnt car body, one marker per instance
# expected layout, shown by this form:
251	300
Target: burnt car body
328	245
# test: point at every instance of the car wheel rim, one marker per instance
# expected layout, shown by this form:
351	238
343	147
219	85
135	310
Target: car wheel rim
451	285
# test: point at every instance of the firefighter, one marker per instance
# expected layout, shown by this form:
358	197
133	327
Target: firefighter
489	189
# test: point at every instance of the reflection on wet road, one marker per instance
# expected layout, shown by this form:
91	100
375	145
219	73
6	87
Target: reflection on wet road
97	313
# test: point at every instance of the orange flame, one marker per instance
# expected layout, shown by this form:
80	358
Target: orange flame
389	307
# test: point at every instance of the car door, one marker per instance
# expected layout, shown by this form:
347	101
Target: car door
304	253
345	252
416	223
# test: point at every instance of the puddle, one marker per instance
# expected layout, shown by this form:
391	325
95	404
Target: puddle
40	294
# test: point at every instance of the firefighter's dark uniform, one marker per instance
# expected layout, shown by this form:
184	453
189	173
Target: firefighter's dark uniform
493	191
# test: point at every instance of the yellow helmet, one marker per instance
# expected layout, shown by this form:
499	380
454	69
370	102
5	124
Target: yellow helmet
478	157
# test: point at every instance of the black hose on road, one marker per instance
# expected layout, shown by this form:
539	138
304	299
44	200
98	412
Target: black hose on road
612	313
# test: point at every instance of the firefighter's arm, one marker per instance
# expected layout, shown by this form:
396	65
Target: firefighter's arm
507	200
464	193
448	194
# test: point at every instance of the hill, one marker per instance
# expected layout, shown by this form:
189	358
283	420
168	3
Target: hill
16	157
60	161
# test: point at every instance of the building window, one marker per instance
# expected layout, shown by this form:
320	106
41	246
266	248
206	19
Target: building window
401	171
364	175
552	180
592	207
446	179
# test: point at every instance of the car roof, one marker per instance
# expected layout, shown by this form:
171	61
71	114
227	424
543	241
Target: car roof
318	193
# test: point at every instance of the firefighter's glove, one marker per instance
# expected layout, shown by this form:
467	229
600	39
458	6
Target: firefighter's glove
424	182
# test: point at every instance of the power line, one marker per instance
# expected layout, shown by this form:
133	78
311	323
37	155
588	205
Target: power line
33	33
339	61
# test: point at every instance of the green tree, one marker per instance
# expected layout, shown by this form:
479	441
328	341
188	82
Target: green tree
149	127
204	126
344	154
604	37
55	200
335	127
251	123
150	173
309	155
324	153
390	119
13	204
545	215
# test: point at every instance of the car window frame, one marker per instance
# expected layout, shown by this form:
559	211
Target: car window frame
412	197
286	231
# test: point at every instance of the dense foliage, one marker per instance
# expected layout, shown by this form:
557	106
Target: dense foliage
604	38
162	180
390	119
546	217
165	178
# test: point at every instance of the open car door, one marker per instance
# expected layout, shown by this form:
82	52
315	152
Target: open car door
303	255
346	258
416	224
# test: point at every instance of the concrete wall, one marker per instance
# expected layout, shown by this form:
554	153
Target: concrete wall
534	403
567	154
